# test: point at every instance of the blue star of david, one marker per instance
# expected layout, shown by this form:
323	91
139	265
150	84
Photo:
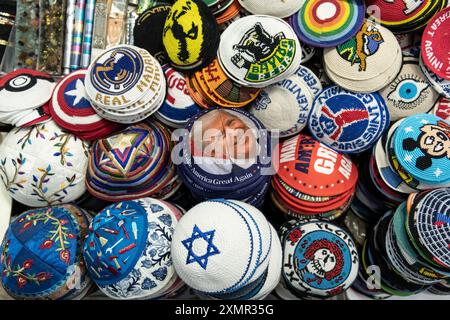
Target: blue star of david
210	250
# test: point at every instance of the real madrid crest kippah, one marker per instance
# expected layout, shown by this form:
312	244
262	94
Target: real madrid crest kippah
190	35
125	84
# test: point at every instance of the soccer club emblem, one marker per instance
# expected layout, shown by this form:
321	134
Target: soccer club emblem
259	52
365	44
117	71
319	259
348	122
344	125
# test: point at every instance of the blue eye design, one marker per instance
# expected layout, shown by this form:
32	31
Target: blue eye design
408	92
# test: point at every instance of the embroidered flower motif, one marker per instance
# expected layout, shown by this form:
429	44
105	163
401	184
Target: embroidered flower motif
21	282
156	208
153	252
160	274
42	276
27	264
166	219
154	236
47	244
147	263
18	180
64	255
26	226
148	284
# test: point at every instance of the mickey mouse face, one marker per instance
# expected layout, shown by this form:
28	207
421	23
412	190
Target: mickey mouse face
25	89
435	141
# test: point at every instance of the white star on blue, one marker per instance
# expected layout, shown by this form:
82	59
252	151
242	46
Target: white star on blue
78	92
211	250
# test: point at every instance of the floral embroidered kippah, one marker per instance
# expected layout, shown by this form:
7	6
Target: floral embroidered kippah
41	254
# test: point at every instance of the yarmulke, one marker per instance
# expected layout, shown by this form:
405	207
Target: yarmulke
388	172
307	52
435	44
278	8
311	80
72	111
428	227
259	50
217	7
422	147
127	250
328	23
41	254
319	259
348	122
273	270
415	268
441	85
312	179
410	93
24	95
148	29
132	164
284	106
232	12
216	88
367	62
190	35
442	109
403	16
5	202
222	260
125	84
227	154
43	165
178	107
379	250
